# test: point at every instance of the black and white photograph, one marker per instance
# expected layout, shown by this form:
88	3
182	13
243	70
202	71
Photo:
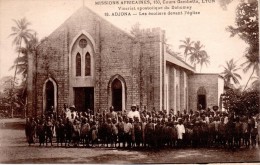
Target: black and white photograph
129	81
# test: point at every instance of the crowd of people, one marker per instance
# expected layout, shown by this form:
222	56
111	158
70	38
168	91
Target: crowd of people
152	129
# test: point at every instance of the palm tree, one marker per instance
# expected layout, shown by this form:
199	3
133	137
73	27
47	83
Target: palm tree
21	34
251	62
230	72
22	61
187	45
197	54
204	59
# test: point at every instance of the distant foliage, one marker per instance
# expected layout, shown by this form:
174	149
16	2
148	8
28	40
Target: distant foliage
230	72
241	103
246	22
195	51
247	28
11	98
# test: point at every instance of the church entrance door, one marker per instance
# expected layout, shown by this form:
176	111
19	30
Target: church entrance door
202	102
84	98
49	90
117	95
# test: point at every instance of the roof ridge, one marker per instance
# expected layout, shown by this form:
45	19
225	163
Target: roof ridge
96	14
130	35
171	53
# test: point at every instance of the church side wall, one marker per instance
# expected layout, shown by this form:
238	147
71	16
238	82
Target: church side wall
209	82
220	91
176	95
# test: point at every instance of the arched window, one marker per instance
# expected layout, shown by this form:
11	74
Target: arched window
201	91
87	64
78	65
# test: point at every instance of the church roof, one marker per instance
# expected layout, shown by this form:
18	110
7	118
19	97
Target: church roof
217	74
84	11
172	58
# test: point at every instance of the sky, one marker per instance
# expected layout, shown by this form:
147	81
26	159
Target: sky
209	28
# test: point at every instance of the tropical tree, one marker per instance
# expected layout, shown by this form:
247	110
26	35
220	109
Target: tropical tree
22	61
204	60
252	62
193	58
247	28
11	98
230	72
187	46
198	55
241	103
21	34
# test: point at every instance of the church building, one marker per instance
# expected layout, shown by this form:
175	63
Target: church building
90	63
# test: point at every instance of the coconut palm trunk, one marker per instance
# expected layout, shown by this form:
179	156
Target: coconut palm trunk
13	84
249	79
18	56
21	34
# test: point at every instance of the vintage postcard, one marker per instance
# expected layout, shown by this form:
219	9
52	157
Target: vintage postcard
129	81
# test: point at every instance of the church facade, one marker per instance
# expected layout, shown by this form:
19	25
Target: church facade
90	63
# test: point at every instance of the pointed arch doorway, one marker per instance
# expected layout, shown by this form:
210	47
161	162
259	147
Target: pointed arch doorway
49	96
117	95
117	90
201	98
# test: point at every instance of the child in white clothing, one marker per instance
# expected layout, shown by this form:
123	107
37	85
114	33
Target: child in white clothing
180	131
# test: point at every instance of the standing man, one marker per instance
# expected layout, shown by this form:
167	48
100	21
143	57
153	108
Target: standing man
112	114
133	113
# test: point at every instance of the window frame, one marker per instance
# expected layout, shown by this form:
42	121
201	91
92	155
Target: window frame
87	64
78	65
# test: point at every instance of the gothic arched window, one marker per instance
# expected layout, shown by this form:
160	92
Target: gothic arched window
87	64
78	65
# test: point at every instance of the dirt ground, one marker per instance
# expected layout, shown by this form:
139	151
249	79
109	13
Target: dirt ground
14	149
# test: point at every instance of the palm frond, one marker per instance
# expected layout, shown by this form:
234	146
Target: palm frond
235	80
249	65
237	75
